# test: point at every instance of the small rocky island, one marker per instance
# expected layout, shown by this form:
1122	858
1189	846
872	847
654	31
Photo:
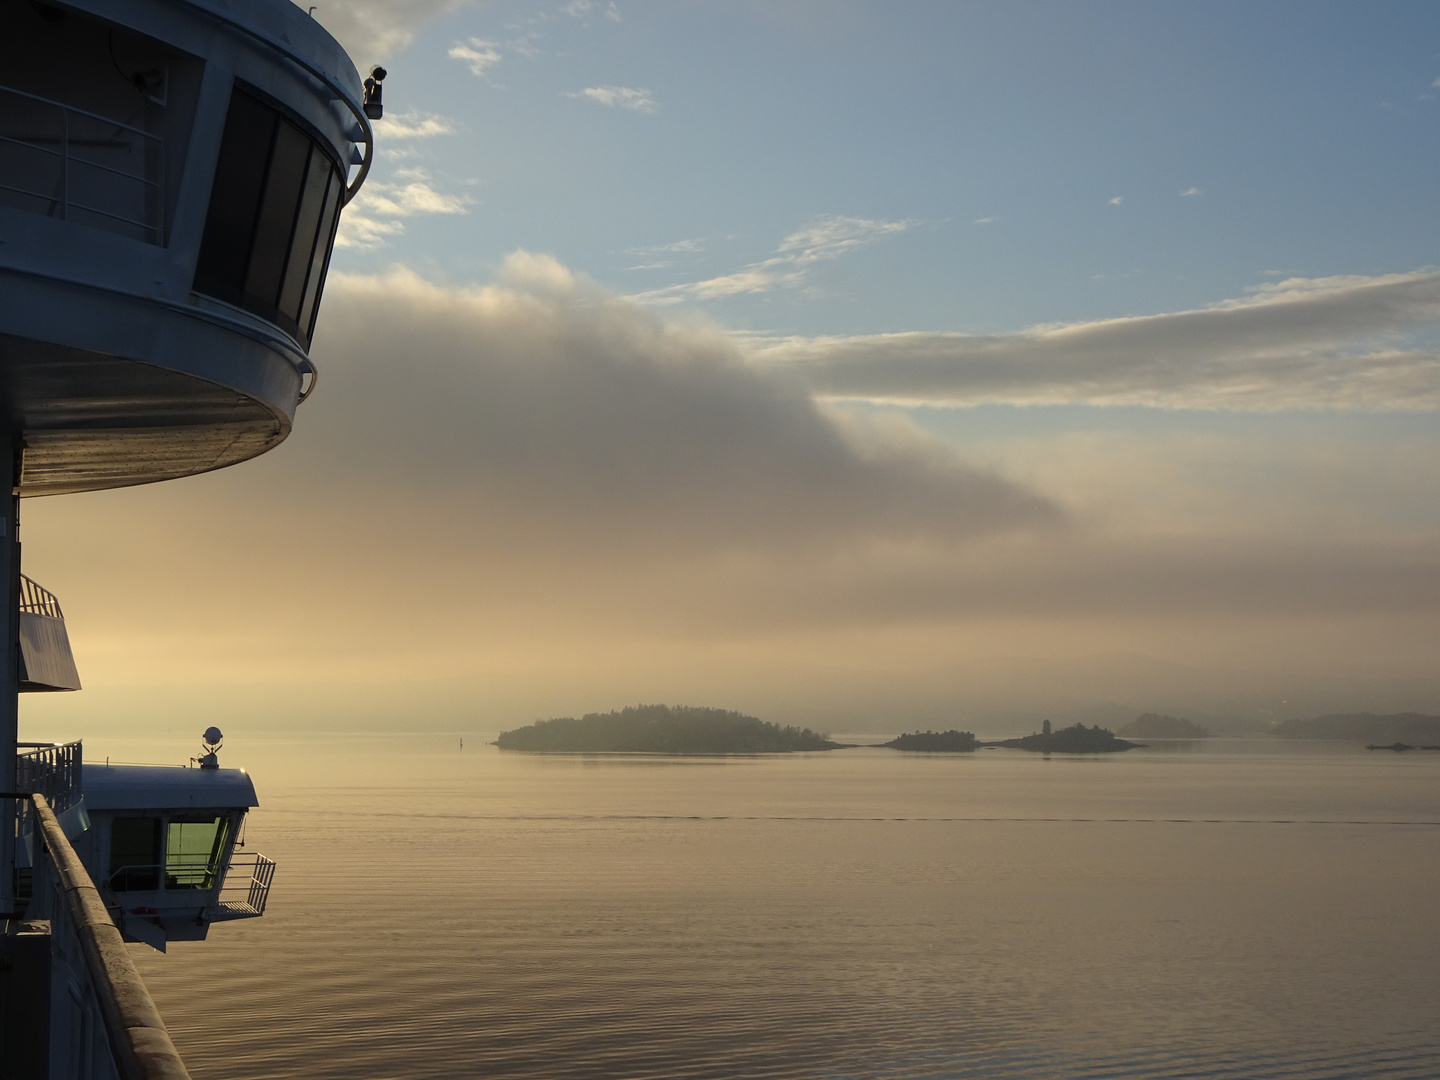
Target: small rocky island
1071	740
933	742
1155	726
662	729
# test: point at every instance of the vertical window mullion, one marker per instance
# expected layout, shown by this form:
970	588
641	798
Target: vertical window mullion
307	229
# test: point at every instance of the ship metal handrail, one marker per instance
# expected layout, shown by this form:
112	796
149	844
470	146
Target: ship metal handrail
245	899
52	769
244	882
139	1044
35	599
62	201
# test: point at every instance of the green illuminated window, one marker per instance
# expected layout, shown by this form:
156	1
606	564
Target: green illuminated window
193	847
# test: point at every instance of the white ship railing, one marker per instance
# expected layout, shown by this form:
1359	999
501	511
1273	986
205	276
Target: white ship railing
68	132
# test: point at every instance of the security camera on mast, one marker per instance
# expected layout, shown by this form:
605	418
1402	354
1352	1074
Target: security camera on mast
374	106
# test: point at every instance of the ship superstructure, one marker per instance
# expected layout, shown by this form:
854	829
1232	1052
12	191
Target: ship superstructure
172	174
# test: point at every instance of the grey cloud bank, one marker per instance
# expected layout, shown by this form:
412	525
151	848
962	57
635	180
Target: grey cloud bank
562	402
1304	343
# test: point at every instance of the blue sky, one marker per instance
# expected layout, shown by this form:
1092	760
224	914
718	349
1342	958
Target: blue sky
992	138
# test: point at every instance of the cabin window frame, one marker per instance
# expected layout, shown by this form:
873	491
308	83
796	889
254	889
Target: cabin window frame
161	867
270	226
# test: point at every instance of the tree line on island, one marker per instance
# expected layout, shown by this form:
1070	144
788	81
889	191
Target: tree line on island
683	729
663	729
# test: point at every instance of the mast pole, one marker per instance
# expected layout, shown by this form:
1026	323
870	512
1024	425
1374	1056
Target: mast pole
9	662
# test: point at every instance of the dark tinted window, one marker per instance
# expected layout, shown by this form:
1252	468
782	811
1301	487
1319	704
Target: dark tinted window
276	224
273	209
235	197
134	853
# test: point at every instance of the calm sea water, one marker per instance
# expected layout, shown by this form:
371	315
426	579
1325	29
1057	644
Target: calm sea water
1223	910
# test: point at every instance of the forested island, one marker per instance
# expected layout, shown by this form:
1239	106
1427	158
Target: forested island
1155	726
941	742
662	729
1071	740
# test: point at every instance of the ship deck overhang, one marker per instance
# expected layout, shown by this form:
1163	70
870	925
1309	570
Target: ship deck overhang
212	390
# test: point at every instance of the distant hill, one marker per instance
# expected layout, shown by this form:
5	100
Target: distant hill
947	742
1364	727
1072	740
1155	726
662	729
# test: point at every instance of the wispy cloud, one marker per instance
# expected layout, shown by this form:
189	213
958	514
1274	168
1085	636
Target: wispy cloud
819	241
623	97
412	197
373	30
580	8
986	220
1191	191
413	125
1339	342
476	53
374	216
692	245
1117	200
360	230
830	237
655	255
